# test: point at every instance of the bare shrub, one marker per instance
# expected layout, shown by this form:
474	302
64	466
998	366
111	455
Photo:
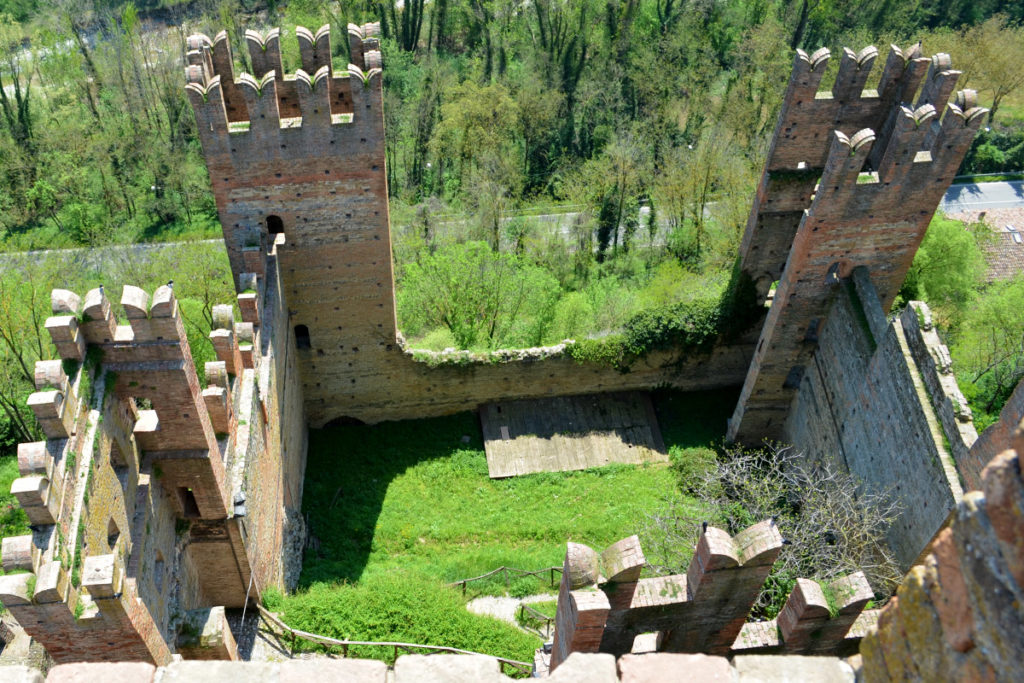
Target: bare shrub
831	527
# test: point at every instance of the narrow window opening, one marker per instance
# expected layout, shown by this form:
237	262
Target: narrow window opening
158	572
275	225
189	505
302	337
832	277
113	533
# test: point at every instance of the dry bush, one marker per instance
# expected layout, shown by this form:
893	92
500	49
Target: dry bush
830	526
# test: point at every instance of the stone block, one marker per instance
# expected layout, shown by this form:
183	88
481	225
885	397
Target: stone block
49	374
788	668
216	400
623	561
106	672
52	583
101	576
657	667
14	590
220	672
249	305
315	670
135	302
67	337
34	459
16	673
16	552
582	566
593	668
447	669
65	301
53	414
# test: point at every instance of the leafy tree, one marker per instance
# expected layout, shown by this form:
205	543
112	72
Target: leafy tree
948	267
485	298
988	348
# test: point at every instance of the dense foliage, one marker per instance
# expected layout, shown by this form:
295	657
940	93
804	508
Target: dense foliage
982	322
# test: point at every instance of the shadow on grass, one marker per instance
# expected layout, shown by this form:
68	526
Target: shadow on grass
694	418
350	469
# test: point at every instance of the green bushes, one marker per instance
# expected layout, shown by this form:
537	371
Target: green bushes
692	466
404	607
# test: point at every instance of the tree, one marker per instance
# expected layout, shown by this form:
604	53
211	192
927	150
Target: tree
988	347
948	267
16	91
832	526
485	298
996	52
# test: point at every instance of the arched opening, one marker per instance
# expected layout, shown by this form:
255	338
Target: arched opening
275	225
302	337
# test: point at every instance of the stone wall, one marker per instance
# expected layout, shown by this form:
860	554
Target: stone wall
862	404
936	367
958	615
152	497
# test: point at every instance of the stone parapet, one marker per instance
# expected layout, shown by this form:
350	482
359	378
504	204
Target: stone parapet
936	368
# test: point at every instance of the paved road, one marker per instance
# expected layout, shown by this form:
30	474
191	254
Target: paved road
975	196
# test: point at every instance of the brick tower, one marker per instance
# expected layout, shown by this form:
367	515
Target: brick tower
297	164
852	179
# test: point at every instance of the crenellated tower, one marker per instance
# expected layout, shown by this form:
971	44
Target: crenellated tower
852	179
296	163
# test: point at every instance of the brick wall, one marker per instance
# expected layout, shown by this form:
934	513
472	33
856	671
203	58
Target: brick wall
863	406
816	217
958	615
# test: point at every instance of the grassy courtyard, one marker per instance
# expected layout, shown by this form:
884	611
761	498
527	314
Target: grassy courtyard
401	509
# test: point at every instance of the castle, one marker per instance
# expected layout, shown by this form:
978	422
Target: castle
156	503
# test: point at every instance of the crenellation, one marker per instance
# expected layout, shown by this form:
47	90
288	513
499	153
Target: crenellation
264	114
265	53
314	93
315	49
704	611
854	69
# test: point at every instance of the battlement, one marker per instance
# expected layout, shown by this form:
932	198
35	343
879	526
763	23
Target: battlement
897	112
134	447
268	113
604	605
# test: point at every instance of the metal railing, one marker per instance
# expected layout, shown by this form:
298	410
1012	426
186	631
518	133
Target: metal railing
407	648
508	571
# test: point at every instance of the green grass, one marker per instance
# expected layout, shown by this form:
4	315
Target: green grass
13	521
411	496
401	509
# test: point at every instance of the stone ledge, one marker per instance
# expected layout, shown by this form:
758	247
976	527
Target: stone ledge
591	668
